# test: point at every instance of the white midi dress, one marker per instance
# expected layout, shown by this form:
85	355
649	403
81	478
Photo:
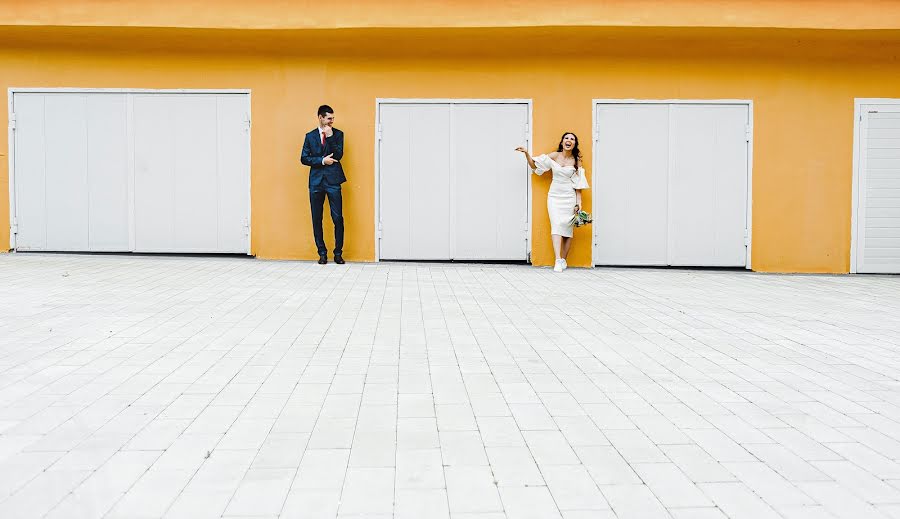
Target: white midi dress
561	197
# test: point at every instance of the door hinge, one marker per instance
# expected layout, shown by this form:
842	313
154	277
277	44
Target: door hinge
247	122
746	237
378	132
748	132
246	227
14	226
380	227
12	121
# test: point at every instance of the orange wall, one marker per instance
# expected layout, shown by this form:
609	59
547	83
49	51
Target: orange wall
802	110
310	14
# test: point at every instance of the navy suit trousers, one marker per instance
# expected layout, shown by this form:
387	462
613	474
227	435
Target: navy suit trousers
317	197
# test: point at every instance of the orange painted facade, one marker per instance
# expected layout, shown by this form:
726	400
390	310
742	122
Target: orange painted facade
801	67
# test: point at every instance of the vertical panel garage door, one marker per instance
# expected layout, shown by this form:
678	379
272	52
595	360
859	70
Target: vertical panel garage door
878	190
441	195
671	184
147	172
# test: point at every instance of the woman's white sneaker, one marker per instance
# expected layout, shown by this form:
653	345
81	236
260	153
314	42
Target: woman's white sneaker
565	264
559	266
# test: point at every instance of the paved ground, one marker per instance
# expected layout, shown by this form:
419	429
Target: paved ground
194	387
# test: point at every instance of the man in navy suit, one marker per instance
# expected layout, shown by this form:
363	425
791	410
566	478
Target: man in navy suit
323	149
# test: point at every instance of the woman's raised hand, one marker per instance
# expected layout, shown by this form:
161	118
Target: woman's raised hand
528	159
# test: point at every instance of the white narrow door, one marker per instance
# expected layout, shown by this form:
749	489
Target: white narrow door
708	185
154	174
414	185
233	174
191	173
66	188
30	218
196	185
71	178
878	194
489	196
630	184
110	224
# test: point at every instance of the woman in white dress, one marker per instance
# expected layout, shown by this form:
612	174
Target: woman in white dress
564	197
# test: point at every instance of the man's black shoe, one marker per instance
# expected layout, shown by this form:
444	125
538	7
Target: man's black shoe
339	259
323	260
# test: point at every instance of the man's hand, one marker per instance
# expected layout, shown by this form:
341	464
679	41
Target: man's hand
328	160
328	131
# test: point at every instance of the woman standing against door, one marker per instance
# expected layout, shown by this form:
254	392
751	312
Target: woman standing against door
564	197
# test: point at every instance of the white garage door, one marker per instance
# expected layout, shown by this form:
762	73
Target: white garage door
144	172
451	186
671	184
878	190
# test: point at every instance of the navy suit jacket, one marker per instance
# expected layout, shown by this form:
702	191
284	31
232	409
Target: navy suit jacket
313	153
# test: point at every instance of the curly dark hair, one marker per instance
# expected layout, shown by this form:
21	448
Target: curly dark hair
575	151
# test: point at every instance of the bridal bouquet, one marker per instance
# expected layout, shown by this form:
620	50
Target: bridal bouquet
581	218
